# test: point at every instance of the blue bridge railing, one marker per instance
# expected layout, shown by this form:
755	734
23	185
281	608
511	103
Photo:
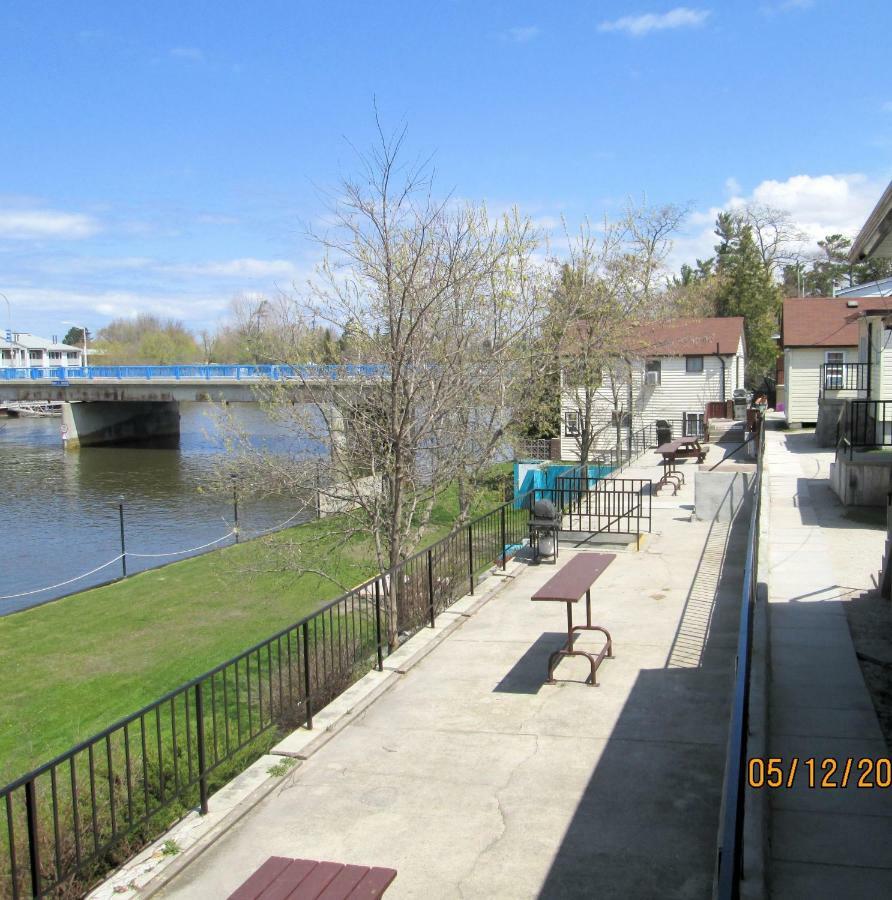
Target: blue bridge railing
307	372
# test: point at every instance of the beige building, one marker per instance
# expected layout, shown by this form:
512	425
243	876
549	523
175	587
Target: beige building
820	340
677	368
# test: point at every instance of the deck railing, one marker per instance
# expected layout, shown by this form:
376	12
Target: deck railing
62	822
845	377
869	425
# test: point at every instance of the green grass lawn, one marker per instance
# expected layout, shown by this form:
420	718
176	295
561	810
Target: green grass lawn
70	668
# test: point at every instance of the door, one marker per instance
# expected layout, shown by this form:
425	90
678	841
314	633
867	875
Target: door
693	424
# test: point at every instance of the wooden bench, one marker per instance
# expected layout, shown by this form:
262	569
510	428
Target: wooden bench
567	586
281	878
689	448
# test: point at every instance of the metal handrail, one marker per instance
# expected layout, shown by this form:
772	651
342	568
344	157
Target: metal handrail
210	372
729	855
288	657
844	377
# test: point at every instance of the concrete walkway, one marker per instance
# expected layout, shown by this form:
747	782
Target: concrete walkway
472	778
823	842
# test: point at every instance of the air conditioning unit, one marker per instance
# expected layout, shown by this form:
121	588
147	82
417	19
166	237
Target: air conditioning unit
652	378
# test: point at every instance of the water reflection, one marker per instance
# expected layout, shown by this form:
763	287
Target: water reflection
59	514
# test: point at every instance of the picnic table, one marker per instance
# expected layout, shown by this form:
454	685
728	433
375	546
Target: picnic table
567	586
671	475
690	448
281	878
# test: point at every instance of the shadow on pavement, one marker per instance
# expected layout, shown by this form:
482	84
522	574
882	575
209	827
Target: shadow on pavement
646	824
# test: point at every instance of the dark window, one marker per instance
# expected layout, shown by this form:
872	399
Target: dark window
694	364
35	354
571	423
655	366
620	417
693	423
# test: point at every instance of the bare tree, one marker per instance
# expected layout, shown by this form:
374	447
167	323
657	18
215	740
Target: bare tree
610	284
777	236
435	299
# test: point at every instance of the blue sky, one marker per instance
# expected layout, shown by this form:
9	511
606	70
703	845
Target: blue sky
167	156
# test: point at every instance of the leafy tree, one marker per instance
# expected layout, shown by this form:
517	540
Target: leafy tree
147	340
748	289
74	337
831	270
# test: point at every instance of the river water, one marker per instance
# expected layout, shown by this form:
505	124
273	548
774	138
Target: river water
59	510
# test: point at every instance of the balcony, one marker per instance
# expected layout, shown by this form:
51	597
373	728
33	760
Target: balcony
842	380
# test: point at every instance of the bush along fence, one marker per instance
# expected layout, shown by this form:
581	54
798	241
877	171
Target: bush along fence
67	822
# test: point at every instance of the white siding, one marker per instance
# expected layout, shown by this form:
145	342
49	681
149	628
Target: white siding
679	392
802	380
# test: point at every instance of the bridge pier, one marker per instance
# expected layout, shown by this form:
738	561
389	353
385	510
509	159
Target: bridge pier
86	424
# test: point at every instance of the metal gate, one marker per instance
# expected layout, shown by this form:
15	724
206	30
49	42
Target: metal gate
605	506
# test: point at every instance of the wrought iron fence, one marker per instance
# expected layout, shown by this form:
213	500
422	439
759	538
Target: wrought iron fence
869	425
601	506
729	854
64	821
845	377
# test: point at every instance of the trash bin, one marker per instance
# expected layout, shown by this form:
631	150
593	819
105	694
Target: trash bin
740	399
664	432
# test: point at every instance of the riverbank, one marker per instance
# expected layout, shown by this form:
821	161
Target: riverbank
71	667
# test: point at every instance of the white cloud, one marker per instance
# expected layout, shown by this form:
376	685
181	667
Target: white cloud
238	268
191	308
637	26
772	9
521	34
818	205
195	54
28	224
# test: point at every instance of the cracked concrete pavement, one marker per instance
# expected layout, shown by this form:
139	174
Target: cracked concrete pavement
473	778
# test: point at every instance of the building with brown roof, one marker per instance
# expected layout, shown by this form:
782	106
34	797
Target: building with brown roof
821	337
674	369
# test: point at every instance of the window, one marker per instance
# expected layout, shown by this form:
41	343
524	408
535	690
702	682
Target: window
55	354
693	423
620	417
35	354
5	354
693	364
654	366
73	355
833	370
571	423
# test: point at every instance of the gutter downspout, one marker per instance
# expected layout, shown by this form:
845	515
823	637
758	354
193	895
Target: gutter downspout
721	359
869	355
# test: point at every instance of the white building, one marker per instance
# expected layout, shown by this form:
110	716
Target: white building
816	332
19	350
678	368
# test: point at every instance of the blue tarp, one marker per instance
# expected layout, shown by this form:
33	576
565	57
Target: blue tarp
545	477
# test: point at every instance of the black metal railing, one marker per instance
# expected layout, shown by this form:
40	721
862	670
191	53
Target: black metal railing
605	506
630	448
62	822
845	377
869	425
729	856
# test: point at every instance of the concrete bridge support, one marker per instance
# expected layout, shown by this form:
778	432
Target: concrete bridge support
108	422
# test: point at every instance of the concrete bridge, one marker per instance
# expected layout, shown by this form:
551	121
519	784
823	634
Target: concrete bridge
124	404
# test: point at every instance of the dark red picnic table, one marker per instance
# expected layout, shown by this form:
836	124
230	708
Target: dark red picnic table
567	586
281	878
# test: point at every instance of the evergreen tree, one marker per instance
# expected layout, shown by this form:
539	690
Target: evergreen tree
747	289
